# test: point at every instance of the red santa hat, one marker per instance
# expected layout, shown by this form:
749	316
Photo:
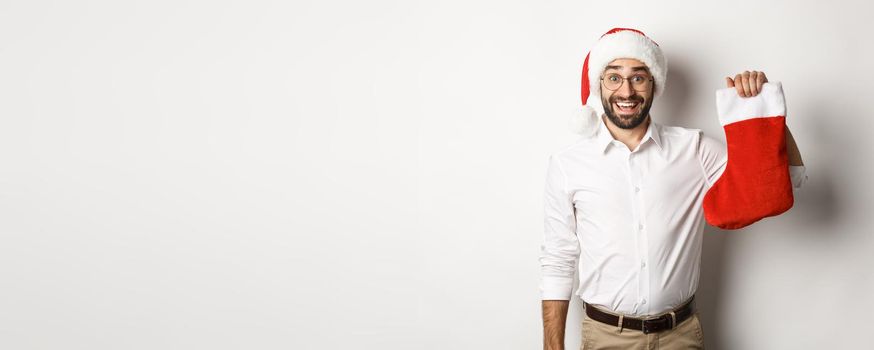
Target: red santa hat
616	43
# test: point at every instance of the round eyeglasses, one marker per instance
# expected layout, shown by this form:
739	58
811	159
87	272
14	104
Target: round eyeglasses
638	82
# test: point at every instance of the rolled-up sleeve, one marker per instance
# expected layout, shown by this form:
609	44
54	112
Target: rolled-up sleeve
798	174
561	248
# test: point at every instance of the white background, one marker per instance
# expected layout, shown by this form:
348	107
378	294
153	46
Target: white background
369	175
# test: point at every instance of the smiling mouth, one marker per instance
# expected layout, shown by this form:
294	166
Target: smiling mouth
626	108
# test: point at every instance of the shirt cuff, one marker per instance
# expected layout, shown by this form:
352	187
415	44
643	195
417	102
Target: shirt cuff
798	174
556	288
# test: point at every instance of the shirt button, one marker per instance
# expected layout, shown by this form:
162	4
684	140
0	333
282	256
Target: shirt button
640	226
643	302
643	264
636	189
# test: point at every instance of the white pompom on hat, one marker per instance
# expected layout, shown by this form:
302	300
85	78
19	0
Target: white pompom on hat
616	43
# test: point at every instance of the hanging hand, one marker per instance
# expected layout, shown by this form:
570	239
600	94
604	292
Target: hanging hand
748	83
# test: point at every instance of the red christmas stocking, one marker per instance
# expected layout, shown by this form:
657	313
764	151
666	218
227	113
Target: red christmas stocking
755	183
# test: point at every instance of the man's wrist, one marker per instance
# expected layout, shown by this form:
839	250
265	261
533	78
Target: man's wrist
554	319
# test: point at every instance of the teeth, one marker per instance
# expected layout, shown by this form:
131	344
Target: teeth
626	105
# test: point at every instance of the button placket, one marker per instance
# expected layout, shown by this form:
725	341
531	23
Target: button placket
637	202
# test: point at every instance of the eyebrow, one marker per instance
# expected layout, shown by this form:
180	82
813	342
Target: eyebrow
638	68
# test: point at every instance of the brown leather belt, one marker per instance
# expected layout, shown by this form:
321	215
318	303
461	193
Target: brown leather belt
649	325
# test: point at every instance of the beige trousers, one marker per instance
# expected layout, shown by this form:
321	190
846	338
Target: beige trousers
602	336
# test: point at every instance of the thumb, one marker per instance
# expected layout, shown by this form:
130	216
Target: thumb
729	82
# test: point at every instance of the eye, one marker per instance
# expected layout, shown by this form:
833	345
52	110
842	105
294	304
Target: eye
638	79
613	77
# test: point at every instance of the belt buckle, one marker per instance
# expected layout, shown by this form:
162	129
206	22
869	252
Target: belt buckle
655	322
644	328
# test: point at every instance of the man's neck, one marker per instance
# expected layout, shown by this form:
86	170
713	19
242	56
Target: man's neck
630	137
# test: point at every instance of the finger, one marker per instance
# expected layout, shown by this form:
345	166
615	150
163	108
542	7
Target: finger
746	84
754	83
760	80
729	82
738	85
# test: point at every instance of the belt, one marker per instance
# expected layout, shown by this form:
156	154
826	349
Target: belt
649	325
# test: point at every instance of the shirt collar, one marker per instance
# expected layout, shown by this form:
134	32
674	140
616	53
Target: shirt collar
653	131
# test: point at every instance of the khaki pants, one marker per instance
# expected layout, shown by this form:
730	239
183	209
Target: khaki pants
602	336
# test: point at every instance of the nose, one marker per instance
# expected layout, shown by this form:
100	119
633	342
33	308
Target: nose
625	90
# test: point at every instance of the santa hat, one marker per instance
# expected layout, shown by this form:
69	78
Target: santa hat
617	43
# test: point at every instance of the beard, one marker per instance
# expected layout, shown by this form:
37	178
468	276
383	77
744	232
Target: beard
626	121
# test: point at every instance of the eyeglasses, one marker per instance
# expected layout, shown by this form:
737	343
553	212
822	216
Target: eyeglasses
638	82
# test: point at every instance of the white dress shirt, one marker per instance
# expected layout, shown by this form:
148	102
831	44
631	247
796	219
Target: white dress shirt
630	222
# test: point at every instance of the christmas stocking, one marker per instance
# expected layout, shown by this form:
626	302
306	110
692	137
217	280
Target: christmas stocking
755	183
